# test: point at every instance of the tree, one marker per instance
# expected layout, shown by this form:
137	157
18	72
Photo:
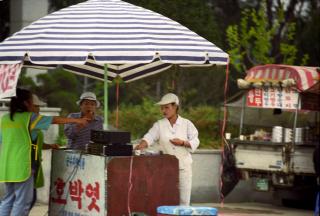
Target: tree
59	4
265	35
57	87
308	27
4	19
194	14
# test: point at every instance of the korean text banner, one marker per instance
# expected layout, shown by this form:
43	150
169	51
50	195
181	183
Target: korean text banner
9	74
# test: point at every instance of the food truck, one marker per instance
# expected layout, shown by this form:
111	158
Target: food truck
274	128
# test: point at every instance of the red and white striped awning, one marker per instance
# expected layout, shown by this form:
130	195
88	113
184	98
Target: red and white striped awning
305	77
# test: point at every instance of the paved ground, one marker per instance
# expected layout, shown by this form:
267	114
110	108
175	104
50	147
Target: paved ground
258	209
229	209
39	210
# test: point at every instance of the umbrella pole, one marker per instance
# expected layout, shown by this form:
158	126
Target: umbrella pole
105	124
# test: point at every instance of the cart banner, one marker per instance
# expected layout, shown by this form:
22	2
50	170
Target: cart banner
77	184
9	74
273	98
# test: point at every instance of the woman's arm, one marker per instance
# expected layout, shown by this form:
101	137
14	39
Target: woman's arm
50	146
63	120
150	137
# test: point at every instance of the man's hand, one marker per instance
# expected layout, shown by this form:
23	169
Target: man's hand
82	122
89	115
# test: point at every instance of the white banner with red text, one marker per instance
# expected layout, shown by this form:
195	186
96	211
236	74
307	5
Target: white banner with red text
273	98
9	74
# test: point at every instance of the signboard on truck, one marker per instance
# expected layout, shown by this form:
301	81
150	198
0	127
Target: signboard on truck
272	98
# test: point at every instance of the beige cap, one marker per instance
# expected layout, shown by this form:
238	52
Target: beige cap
168	99
36	101
88	96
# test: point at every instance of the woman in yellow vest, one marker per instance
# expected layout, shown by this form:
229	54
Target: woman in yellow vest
37	139
16	168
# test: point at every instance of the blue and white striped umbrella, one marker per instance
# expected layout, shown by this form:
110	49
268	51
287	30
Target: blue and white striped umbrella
130	41
134	42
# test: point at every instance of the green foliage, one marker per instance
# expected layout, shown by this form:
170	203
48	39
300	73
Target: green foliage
237	56
305	59
206	120
254	40
136	118
57	87
288	50
260	36
26	81
194	14
64	99
61	139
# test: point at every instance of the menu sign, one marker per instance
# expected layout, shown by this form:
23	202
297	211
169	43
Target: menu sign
77	184
273	98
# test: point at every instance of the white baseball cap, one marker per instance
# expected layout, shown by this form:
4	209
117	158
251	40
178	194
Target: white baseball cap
168	99
36	101
88	96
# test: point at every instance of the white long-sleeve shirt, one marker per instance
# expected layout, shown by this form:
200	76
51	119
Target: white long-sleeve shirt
183	129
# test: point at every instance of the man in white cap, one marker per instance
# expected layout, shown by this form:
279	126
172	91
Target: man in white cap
79	137
177	136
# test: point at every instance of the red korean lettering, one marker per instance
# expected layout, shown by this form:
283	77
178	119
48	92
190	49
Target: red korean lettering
250	97
93	193
255	97
76	190
258	101
8	74
257	92
59	188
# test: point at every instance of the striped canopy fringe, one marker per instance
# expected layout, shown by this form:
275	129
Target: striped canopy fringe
127	72
304	76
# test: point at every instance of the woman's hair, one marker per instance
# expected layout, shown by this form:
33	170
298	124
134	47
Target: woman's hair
17	103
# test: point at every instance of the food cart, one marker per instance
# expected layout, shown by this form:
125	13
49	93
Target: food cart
93	185
276	127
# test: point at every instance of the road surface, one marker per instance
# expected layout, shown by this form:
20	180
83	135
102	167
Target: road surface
229	209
